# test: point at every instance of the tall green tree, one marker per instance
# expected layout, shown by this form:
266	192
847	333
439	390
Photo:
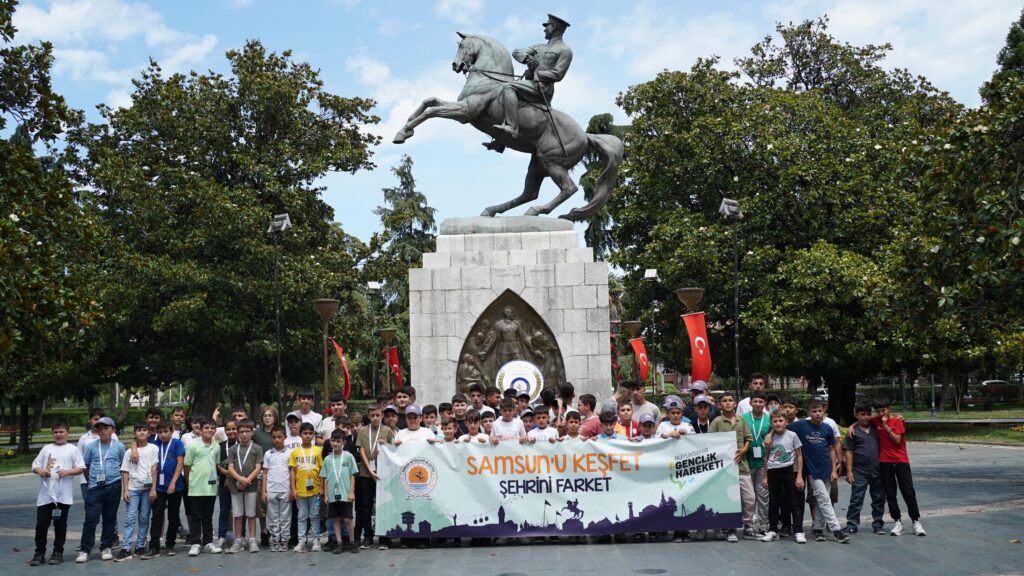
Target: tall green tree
189	177
408	232
49	314
811	146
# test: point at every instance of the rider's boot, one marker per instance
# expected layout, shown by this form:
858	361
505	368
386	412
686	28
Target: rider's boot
510	104
494	145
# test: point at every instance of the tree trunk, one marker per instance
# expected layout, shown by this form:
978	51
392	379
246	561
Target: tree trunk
24	428
842	395
205	399
40	408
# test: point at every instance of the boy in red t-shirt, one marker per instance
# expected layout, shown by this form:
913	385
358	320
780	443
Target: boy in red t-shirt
895	467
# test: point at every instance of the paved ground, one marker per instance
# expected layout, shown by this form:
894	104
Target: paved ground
972	499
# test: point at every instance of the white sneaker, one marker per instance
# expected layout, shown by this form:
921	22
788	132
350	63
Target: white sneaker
82	557
213	548
254	545
897	528
800	538
300	547
236	547
107	554
918	529
194	550
316	546
769	537
219	542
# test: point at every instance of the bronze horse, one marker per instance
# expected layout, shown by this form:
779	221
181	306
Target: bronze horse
554	141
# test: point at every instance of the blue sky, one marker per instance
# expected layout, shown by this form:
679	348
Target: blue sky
399	52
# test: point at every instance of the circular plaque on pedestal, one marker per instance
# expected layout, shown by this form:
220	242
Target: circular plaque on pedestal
522	376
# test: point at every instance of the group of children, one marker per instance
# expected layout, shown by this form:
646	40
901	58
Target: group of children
282	482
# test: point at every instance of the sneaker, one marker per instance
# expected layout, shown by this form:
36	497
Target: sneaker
316	546
700	535
56	558
819	535
879	530
82	558
732	537
236	547
897	529
382	546
169	551
254	546
194	549
124	554
918	529
219	542
841	537
107	554
800	538
147	554
353	549
769	537
366	545
750	534
300	547
213	548
339	549
851	529
38	559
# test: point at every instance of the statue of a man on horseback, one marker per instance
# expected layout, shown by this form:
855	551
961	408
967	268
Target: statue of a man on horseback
491	101
546	64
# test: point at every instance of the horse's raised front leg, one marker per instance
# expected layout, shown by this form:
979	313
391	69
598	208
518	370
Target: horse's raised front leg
431	108
565	185
534	177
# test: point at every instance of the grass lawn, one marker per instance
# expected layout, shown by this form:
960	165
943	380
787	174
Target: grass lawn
971	435
963	414
17	464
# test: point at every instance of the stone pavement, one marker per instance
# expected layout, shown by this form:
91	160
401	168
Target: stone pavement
972	501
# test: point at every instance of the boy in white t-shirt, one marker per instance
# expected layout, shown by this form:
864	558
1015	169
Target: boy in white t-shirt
413	432
572	428
275	489
542	432
138	490
473	425
509	427
676	425
56	465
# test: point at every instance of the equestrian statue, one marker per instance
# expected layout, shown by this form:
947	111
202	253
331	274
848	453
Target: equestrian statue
516	112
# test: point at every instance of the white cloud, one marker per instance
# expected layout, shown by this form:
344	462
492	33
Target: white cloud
88	35
119	99
655	40
239	4
460	11
70	21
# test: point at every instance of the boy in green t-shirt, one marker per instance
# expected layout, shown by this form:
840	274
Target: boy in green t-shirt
338	489
759	423
201	476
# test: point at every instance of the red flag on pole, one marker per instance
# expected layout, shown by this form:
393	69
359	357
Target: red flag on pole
344	369
641	357
699	351
396	368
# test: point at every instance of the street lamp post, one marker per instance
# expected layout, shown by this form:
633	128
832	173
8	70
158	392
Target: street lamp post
651	276
372	287
731	209
279	224
326	308
632	327
690	297
388	334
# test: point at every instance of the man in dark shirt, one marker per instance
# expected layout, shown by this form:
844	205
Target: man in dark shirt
862	472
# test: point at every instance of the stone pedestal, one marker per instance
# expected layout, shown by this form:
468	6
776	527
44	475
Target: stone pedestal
544	262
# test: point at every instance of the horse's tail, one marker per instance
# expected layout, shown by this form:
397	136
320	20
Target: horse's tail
610	149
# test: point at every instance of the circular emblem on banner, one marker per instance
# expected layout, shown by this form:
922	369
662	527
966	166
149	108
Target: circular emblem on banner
522	376
418	477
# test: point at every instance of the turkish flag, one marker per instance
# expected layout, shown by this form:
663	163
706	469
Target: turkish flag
396	368
344	369
641	357
699	350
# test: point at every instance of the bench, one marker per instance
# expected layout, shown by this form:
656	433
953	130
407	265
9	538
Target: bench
972	403
13	430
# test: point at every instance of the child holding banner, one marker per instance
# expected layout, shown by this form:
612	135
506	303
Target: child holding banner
473	424
728	421
572	428
509	427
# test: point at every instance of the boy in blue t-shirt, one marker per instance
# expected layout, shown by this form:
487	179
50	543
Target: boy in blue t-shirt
170	488
103	497
818	442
